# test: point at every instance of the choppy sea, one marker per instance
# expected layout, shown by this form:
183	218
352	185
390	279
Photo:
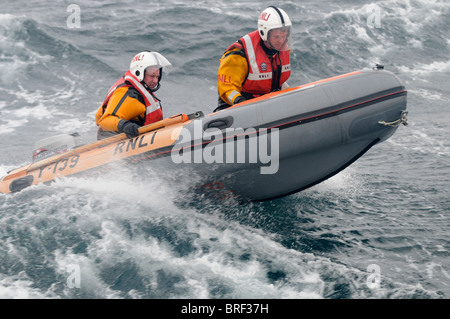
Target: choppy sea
379	229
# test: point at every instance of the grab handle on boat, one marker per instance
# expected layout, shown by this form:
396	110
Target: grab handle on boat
221	123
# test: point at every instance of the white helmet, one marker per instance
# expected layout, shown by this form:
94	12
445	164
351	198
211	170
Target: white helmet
148	59
274	18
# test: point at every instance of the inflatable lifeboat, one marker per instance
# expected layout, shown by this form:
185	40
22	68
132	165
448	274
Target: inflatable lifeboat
260	149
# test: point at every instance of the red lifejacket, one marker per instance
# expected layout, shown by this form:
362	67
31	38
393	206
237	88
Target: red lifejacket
152	105
260	68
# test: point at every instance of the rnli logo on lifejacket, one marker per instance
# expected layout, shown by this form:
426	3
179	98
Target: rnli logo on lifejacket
264	76
263	66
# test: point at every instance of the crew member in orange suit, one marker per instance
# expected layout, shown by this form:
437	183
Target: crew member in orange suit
131	102
258	63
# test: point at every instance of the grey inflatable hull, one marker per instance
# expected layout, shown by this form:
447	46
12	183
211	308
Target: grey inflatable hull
291	139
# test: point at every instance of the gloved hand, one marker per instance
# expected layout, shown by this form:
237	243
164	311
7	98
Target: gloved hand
239	99
129	128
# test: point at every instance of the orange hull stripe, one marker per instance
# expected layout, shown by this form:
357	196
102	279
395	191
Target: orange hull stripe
269	95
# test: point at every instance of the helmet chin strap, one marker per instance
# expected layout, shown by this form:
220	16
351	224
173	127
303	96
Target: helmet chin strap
145	85
156	88
271	47
268	48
